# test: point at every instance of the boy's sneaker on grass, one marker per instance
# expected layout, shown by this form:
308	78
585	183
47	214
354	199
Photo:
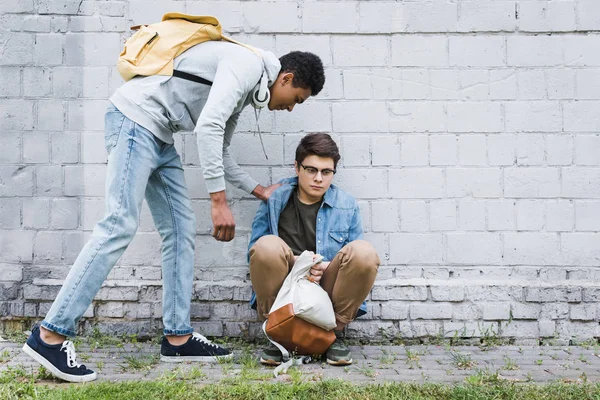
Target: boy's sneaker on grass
339	354
59	359
197	348
271	355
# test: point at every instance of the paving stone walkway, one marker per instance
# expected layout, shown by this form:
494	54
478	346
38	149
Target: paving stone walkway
372	364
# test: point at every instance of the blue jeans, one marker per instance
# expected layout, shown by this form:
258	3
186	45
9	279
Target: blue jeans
139	165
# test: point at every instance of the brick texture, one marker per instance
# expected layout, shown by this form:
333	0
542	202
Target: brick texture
468	132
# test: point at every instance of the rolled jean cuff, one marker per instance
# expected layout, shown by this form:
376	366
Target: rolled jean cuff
178	332
58	329
341	321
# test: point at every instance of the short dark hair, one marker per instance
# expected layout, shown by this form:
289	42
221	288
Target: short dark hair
318	144
307	69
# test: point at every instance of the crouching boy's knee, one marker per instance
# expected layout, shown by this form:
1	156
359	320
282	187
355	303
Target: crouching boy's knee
363	255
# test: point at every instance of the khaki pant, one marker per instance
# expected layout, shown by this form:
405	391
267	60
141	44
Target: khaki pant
347	280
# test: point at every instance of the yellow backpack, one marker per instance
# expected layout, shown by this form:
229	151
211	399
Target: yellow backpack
151	50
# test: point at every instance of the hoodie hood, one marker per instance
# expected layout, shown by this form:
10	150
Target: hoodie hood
271	63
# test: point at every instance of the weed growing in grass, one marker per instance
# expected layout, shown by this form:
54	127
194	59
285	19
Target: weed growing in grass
387	357
295	375
462	360
143	363
180	374
251	367
43	373
588	343
529	377
19	374
15	374
193	373
483	377
489	337
248	360
254	375
410	355
367	371
14	336
413	357
510	364
226	365
4	356
98	340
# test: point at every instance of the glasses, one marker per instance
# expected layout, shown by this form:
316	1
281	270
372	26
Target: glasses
312	171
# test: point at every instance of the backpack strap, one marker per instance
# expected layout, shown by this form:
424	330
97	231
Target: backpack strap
190	77
198	79
252	49
287	360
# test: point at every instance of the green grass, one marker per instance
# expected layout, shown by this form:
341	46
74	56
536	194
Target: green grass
483	377
387	357
462	360
4	356
181	374
14	336
413	357
297	389
510	364
141	363
367	370
489	338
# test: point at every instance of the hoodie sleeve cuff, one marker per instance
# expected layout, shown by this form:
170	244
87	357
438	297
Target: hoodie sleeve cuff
248	185
214	185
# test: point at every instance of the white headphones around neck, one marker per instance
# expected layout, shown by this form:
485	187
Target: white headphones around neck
261	94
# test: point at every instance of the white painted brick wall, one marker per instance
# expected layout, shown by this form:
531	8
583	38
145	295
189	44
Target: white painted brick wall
469	133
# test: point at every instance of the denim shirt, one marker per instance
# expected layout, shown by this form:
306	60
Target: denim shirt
338	222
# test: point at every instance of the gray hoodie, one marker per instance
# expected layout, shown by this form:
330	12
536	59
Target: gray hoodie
164	104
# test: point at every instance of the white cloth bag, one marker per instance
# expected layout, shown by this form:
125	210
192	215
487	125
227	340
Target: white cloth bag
310	302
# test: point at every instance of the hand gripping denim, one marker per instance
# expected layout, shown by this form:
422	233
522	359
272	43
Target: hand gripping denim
139	165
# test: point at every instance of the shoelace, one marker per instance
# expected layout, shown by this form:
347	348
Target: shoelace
69	348
200	338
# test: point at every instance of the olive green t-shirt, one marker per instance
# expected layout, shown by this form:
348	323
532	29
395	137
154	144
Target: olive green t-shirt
298	223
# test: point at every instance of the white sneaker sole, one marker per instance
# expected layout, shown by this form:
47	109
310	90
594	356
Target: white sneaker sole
340	362
180	359
55	371
272	363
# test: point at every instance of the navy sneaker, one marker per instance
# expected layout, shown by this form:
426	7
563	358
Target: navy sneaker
59	359
197	348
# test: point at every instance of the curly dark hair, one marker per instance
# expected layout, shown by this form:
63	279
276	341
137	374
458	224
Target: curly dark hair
319	144
307	69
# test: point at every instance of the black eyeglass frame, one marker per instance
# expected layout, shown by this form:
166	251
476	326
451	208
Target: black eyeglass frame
319	170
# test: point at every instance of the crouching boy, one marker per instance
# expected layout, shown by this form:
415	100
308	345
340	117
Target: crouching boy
308	212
